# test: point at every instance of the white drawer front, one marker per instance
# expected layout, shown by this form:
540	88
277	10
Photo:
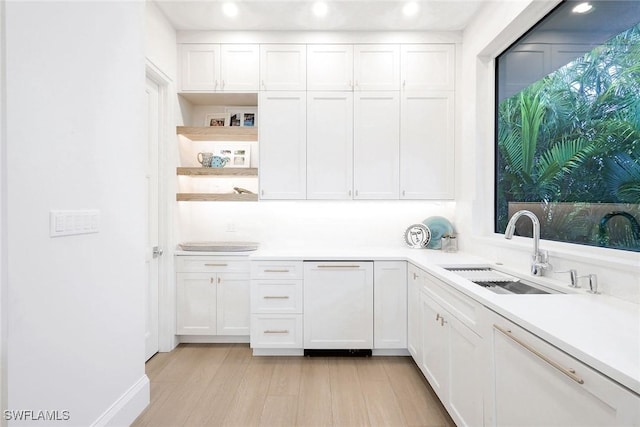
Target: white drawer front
276	331
461	306
209	264
276	270
276	296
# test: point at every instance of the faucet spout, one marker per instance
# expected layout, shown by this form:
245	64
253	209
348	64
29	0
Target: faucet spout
539	259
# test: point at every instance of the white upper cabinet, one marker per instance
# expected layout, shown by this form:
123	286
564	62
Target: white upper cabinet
376	67
376	148
427	146
330	67
283	67
428	67
283	156
239	67
329	145
200	67
216	68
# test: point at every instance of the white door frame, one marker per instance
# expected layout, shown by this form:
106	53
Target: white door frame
3	219
166	289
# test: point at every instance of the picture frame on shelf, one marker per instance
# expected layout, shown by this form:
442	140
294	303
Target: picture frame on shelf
243	116
216	119
238	155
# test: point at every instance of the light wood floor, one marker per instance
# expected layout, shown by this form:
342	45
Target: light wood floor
224	385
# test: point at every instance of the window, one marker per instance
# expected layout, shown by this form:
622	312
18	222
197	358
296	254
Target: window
568	126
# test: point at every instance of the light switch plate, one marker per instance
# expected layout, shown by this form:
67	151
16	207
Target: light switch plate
72	222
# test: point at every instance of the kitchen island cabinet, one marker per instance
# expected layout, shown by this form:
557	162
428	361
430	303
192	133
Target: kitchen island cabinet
534	384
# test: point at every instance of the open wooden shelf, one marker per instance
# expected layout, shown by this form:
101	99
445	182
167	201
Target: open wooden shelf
219	133
200	171
212	197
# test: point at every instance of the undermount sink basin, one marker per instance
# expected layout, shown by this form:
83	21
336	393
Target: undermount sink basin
499	282
219	246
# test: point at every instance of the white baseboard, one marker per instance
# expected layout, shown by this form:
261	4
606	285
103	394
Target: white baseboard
213	339
390	352
278	352
127	408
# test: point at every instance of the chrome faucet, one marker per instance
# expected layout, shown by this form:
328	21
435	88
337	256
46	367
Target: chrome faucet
539	259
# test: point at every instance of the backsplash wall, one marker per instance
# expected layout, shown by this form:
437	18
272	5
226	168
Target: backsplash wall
304	223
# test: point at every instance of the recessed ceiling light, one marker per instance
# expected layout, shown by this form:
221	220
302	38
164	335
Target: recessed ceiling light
320	9
582	8
410	9
230	9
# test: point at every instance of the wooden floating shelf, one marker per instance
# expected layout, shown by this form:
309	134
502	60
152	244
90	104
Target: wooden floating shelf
200	171
219	133
209	197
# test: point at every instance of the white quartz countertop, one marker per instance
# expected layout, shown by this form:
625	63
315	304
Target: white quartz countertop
601	331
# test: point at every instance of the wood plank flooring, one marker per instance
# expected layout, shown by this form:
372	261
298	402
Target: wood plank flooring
224	385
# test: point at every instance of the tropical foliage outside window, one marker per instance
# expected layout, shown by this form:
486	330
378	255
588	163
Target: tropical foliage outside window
568	148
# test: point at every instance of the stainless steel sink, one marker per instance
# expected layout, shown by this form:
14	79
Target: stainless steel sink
499	282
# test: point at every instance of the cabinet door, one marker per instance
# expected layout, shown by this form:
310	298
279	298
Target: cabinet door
428	67
466	370
196	304
232	304
330	67
427	146
414	317
376	145
200	67
240	67
435	345
329	145
283	153
376	67
338	305
283	67
535	384
390	304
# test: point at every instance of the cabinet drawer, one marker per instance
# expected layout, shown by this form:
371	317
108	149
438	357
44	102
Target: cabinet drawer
276	296
209	264
276	269
459	305
276	331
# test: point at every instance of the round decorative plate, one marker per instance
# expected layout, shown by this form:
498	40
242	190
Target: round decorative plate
439	227
417	236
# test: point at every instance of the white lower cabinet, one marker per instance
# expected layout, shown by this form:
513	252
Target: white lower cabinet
536	384
276	305
338	305
212	296
390	305
415	279
448	352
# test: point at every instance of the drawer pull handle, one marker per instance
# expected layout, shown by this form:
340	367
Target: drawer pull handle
571	373
276	331
215	265
276	271
338	266
276	297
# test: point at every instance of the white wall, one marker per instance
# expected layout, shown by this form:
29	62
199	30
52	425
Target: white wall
493	30
75	126
3	216
308	223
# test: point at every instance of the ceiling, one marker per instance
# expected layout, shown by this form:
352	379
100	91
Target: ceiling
342	15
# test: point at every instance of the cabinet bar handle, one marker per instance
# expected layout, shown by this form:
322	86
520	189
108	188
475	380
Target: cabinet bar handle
275	297
276	331
338	266
215	265
277	271
571	373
